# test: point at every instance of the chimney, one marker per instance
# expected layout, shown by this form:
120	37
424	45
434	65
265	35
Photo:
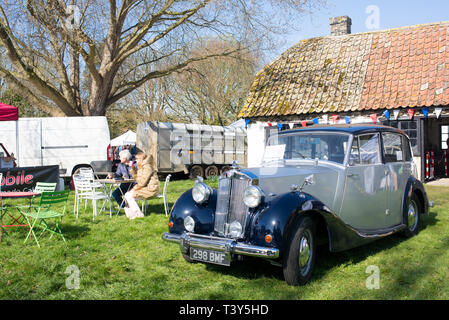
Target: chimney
340	25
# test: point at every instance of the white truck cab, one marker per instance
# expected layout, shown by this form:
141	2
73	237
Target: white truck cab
69	142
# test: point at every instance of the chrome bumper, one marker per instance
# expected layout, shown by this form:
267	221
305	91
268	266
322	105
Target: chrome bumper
227	246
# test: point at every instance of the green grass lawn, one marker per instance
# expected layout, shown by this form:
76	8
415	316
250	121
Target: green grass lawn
122	259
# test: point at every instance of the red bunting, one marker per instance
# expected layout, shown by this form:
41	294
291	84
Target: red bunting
335	117
374	117
304	123
411	113
270	124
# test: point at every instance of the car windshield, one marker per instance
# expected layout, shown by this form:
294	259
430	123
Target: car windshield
327	146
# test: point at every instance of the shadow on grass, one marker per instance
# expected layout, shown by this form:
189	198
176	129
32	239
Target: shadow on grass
253	268
157	208
71	231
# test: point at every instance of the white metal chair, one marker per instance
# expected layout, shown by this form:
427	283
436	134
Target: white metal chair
89	174
162	195
85	190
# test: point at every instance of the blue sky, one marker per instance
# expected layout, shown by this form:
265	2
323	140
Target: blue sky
392	14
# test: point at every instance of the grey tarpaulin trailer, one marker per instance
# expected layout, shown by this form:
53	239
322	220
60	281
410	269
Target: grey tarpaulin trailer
192	148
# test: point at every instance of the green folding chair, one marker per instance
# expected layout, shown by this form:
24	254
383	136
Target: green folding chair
38	217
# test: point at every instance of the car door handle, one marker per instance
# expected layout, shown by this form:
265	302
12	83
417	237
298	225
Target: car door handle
353	175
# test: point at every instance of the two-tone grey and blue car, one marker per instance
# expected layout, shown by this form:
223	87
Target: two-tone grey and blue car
345	185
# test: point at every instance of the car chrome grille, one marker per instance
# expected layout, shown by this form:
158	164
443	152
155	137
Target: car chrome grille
230	205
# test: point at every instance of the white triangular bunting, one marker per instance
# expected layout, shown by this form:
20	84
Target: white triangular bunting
291	125
395	114
438	112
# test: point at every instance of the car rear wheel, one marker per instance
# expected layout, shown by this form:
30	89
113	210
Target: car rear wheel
412	216
299	259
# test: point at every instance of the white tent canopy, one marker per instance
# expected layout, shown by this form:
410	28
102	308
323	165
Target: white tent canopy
128	137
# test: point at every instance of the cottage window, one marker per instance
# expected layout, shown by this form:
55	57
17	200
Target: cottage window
444	136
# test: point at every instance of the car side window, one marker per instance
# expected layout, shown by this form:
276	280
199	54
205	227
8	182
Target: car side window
365	150
354	156
369	149
393	147
407	150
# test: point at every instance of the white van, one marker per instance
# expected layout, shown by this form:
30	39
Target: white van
69	142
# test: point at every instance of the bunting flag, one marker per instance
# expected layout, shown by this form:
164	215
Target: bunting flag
374	117
425	112
438	111
270	124
316	121
387	114
325	118
291	125
246	123
279	126
411	113
304	123
396	114
347	119
335	118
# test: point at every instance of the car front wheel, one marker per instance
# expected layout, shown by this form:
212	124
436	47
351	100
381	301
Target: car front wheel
299	259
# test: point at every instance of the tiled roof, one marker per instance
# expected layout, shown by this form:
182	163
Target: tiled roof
404	67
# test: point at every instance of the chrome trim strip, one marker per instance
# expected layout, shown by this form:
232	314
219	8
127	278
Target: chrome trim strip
228	246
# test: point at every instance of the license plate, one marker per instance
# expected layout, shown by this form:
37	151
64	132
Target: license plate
209	256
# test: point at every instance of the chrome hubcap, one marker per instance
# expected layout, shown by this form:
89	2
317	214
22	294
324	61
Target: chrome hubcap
305	252
411	217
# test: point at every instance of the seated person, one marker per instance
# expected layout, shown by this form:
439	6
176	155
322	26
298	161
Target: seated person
122	172
147	184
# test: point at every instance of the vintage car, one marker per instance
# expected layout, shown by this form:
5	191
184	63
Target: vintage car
344	185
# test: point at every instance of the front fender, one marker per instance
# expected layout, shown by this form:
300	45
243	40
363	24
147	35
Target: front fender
278	215
202	214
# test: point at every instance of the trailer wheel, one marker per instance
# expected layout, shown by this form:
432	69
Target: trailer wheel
211	171
224	169
196	171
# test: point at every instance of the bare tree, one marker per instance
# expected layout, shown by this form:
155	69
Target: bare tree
212	91
56	48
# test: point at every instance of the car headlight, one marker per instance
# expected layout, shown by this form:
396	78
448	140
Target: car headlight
189	224
200	193
235	229
252	196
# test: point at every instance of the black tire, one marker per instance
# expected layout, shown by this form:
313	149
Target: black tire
211	171
77	170
224	169
412	216
196	171
298	269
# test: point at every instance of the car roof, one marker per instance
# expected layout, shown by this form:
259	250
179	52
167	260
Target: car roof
346	128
